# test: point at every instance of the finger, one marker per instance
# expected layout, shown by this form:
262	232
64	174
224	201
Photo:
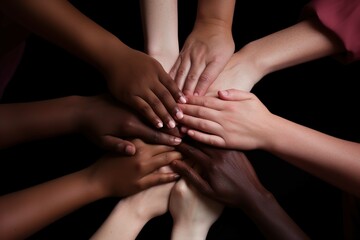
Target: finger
193	77
174	70
210	139
201	124
116	144
159	109
200	112
192	176
194	154
162	92
153	136
182	71
205	101
163	159
172	87
235	95
157	178
207	77
145	109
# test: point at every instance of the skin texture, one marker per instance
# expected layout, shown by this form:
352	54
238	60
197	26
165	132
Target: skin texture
239	120
62	24
304	41
24	212
101	118
193	213
133	212
228	177
207	49
160	26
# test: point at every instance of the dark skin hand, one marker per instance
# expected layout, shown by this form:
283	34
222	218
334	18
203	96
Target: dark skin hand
142	83
104	120
228	176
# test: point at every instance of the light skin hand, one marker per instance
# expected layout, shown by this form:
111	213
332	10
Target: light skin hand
133	212
142	83
203	56
235	124
137	172
108	123
193	213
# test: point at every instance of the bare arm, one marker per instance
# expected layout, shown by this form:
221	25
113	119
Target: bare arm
160	24
25	212
305	41
239	120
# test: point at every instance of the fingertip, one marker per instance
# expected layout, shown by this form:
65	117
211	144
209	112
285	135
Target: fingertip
130	150
223	93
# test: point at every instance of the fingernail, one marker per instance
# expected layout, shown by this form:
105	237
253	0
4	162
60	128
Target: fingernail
224	92
196	94
130	150
179	114
183	129
182	99
190	133
177	140
176	176
159	125
171	124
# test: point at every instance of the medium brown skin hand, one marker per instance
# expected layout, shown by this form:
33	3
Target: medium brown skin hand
106	122
136	172
140	81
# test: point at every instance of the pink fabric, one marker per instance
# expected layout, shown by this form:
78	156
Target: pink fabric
8	65
343	18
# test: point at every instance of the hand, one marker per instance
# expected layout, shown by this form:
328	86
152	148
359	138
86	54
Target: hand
191	208
139	81
203	56
224	175
239	73
122	176
151	202
236	120
106	121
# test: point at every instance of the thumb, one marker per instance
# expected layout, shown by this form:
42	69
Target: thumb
234	95
116	144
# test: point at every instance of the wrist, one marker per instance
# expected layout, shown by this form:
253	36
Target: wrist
189	231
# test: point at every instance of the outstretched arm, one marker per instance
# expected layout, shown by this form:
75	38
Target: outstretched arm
61	23
132	213
101	118
239	120
160	26
24	212
208	47
193	213
305	41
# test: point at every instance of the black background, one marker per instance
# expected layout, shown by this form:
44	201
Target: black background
320	94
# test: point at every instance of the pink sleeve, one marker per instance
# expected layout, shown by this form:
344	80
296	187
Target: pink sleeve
343	18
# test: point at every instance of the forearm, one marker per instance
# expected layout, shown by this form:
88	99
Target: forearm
272	220
216	12
25	212
123	223
61	23
21	122
160	24
305	41
331	159
183	230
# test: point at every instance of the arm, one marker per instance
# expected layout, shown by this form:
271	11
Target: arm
160	24
100	118
208	47
193	213
61	23
132	213
305	41
228	177
24	212
239	120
